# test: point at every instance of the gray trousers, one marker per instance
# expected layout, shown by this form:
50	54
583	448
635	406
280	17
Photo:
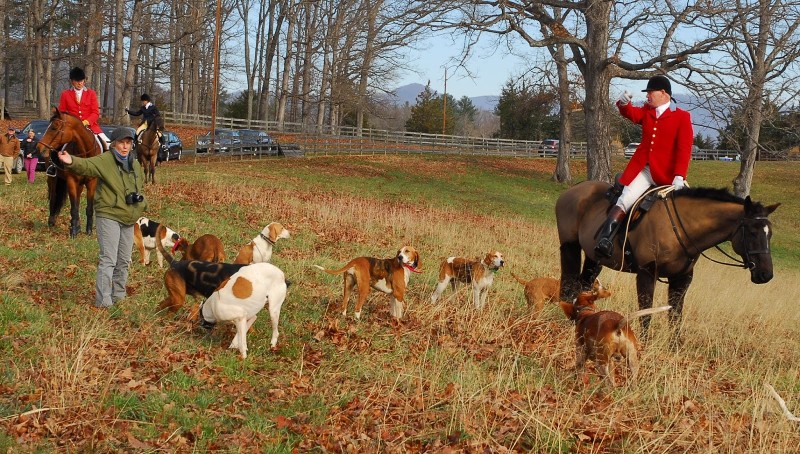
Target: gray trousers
116	245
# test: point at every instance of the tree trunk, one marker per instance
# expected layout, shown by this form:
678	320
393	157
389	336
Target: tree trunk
562	173
754	107
597	75
287	64
369	52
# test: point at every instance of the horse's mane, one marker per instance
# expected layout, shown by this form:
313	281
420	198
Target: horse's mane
719	194
157	123
57	113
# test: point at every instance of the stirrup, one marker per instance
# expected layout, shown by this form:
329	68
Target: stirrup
605	247
51	171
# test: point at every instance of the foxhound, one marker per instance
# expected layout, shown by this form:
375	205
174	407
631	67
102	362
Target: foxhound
478	272
389	275
241	298
260	248
145	237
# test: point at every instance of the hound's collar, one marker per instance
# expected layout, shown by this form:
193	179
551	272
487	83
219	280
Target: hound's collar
411	268
266	238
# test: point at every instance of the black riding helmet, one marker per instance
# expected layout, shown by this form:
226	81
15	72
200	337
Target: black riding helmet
145	97
77	74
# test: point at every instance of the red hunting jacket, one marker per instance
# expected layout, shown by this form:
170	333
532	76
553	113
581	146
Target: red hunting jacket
666	143
88	109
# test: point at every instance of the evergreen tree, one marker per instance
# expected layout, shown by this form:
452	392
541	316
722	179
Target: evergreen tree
526	114
427	115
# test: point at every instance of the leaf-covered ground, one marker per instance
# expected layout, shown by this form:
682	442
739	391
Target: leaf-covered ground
446	378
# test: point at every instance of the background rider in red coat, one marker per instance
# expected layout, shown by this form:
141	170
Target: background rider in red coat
662	157
82	102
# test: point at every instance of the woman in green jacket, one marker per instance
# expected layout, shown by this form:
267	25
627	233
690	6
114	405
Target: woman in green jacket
119	203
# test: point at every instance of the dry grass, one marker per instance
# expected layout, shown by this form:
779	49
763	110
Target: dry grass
446	377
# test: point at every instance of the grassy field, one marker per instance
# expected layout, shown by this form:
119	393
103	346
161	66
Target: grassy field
447	378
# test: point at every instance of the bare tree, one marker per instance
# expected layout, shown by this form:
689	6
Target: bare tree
607	39
757	66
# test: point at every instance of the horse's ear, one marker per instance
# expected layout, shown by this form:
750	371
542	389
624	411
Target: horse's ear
54	110
772	208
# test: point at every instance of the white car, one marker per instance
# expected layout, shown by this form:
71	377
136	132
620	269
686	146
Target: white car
630	149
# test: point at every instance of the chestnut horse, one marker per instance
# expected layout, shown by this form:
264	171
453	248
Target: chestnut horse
147	150
68	129
665	243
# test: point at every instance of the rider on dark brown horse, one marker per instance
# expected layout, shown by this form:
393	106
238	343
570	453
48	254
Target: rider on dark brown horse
662	158
149	112
81	102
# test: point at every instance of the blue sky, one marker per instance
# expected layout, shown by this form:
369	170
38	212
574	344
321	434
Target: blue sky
489	68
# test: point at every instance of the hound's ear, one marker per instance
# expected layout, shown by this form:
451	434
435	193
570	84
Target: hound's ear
568	308
417	262
273	232
488	258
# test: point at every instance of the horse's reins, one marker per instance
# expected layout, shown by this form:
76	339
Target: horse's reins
746	263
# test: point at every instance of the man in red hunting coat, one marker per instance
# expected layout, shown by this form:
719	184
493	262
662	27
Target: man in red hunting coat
82	102
662	157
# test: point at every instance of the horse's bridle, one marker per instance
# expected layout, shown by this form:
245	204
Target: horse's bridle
746	263
59	132
749	264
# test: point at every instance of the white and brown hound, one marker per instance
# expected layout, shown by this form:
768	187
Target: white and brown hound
387	275
478	272
260	248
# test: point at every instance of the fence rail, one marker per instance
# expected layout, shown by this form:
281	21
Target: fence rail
337	140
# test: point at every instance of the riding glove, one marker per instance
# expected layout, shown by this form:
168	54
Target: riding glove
678	182
86	123
625	98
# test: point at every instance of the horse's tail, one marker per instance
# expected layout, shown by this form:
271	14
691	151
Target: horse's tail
161	232
57	193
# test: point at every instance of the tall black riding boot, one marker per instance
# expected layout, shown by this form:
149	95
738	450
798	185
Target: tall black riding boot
607	231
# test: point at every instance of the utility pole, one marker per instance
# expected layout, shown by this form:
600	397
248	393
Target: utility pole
444	104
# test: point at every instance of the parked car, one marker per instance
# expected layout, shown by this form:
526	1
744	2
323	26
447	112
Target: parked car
171	147
224	140
548	148
630	149
39	127
257	142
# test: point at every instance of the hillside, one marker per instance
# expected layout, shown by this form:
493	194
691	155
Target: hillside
444	378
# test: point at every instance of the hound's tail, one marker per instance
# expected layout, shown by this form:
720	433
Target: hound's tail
339	271
652	310
519	279
160	233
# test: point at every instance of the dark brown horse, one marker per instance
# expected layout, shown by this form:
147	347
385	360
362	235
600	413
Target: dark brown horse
147	150
665	243
80	141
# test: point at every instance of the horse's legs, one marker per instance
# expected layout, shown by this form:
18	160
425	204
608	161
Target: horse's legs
591	270
75	191
678	285
153	161
56	191
91	187
570	270
645	286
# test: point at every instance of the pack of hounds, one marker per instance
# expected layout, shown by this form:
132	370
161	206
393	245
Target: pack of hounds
236	292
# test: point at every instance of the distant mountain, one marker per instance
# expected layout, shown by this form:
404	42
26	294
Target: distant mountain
408	94
704	122
702	118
